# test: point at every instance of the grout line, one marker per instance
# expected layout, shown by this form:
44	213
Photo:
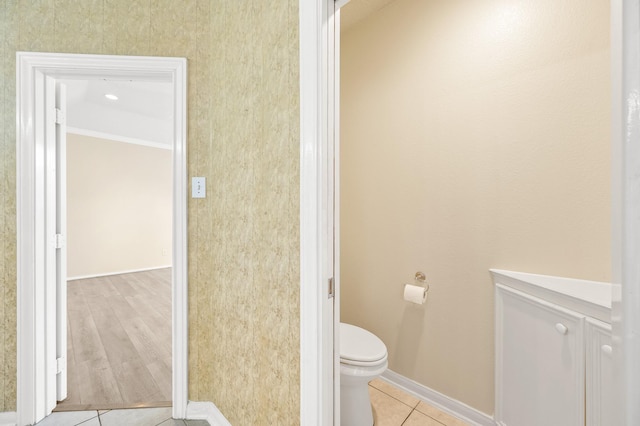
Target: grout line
391	396
407	418
426	415
412	408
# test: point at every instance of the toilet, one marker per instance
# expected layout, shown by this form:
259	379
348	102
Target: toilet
363	357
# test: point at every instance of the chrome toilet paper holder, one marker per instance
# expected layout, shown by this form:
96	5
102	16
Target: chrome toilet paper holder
421	279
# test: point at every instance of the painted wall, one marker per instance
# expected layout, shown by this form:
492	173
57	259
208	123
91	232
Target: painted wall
243	124
119	201
475	135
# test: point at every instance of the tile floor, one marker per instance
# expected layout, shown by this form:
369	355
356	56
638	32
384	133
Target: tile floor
391	407
394	407
130	417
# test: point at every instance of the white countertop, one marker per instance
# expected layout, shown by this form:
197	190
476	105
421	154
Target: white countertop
591	298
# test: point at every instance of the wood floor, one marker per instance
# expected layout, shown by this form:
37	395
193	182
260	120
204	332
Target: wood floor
119	341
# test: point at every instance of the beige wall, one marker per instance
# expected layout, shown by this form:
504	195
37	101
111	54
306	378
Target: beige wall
243	117
475	135
119	201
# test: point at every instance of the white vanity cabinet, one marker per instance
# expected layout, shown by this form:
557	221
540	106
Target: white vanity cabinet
553	351
599	373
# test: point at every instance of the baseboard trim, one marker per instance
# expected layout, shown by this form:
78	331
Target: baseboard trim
449	405
8	418
206	411
108	274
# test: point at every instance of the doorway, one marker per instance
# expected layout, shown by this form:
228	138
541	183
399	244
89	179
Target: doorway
37	367
118	243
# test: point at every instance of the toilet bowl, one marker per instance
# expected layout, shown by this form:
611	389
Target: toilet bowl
363	357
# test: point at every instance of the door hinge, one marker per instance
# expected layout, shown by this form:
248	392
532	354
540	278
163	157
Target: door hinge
332	289
59	241
61	364
60	116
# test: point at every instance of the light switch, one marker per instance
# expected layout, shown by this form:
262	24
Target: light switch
198	187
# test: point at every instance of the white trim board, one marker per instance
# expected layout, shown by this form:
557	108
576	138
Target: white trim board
32	68
108	274
442	402
206	411
625	155
118	138
316	378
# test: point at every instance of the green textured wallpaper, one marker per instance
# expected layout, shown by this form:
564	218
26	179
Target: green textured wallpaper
243	117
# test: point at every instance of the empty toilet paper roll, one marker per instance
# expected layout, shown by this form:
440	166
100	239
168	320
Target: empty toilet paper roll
415	294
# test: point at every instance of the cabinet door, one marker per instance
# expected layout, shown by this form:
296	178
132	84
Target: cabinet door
539	362
599	373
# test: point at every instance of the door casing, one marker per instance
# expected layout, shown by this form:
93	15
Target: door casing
32	301
319	211
625	209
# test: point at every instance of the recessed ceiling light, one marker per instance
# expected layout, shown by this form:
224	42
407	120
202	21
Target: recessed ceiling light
111	96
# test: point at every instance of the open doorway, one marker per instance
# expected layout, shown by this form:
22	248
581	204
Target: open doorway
119	243
37	296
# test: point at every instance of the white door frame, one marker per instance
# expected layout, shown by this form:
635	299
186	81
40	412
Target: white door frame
625	142
334	128
32	68
317	369
319	211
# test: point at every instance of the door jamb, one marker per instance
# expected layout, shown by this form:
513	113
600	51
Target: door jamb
625	136
319	27
31	69
316	380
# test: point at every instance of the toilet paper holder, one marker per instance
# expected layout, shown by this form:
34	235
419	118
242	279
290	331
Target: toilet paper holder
416	292
421	279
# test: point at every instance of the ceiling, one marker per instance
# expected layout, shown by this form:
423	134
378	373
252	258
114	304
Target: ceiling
141	114
356	10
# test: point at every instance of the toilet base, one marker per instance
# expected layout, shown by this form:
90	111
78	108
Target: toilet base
355	404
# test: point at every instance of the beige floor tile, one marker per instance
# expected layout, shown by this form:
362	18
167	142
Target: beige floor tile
138	417
68	418
391	390
387	411
439	415
418	419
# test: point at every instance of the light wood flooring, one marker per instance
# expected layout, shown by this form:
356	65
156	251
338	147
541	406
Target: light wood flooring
119	341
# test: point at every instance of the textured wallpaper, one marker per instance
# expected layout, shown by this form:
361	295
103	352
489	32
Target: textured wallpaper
243	117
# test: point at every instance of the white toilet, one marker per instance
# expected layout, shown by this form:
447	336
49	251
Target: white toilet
363	357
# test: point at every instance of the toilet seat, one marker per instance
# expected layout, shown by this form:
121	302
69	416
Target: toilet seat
360	347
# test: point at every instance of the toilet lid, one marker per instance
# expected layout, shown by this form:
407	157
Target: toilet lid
358	344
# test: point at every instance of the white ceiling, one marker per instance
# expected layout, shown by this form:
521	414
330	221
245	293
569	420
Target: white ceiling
356	10
142	113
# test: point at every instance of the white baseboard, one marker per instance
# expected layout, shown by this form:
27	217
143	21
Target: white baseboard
8	418
206	411
108	274
438	400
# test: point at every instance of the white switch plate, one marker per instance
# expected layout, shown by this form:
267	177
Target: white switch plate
198	187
